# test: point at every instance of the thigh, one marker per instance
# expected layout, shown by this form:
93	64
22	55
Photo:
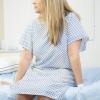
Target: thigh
24	97
44	98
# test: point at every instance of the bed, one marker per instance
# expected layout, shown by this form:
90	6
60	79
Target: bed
90	92
92	77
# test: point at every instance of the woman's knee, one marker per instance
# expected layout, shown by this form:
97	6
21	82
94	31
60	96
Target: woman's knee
44	98
24	97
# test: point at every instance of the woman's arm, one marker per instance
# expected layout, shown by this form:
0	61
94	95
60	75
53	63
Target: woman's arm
74	56
25	60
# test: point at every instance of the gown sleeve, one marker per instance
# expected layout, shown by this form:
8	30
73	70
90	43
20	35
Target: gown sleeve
75	31
26	39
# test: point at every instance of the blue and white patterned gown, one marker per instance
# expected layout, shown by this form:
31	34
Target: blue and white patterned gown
52	73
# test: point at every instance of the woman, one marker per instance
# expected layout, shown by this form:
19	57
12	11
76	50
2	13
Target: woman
56	38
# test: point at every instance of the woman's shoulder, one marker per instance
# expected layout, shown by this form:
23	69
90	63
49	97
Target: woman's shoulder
72	16
34	24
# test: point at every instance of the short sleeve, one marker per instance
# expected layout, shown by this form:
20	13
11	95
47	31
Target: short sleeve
26	39
75	31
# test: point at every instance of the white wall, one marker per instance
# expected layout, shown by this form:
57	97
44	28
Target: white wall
19	12
1	21
92	55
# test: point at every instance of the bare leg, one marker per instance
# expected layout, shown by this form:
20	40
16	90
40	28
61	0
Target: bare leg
44	98
24	97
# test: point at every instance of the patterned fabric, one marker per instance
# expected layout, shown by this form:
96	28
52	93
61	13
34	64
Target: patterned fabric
52	74
50	83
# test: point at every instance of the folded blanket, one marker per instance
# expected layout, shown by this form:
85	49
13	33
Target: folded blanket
9	69
8	65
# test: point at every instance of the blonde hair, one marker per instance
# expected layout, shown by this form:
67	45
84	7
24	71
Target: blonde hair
54	15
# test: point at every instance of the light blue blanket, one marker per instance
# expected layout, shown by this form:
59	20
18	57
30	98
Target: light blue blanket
91	90
88	92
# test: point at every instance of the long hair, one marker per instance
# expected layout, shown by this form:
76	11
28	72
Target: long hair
54	15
